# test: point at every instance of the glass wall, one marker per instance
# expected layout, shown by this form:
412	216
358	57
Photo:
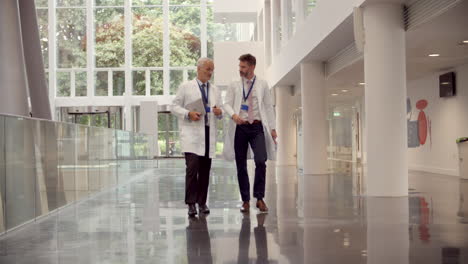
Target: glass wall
101	43
310	5
344	144
46	165
168	135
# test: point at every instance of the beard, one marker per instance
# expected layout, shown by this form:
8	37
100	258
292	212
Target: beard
242	74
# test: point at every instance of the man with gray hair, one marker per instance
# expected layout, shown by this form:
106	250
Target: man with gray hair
197	105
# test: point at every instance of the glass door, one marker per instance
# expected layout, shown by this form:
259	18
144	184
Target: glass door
168	135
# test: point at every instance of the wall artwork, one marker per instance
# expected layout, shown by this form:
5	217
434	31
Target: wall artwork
420	129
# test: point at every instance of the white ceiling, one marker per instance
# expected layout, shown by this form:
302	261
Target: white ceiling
441	35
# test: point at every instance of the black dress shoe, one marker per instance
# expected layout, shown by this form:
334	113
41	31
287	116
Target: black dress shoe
203	209
192	210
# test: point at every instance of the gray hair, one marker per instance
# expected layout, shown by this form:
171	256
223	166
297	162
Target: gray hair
202	61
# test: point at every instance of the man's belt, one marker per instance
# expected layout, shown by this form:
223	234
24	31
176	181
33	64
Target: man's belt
254	122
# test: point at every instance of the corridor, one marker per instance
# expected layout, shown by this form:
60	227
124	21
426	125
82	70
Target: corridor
312	219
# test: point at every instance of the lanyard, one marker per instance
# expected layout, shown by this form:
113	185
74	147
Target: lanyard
204	95
250	90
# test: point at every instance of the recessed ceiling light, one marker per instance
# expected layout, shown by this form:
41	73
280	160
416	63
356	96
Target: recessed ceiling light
344	91
434	55
334	94
465	41
362	83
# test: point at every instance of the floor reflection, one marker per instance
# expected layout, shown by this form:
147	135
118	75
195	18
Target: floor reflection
463	201
198	241
316	219
261	243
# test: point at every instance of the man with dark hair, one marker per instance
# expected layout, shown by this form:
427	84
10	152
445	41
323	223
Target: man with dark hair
197	105
249	104
248	58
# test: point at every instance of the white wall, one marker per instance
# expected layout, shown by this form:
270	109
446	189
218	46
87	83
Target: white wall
449	119
226	60
324	18
238	6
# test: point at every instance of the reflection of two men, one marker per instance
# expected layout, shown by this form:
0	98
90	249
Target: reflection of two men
198	241
260	240
199	244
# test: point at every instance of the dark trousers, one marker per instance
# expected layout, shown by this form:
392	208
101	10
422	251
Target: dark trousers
244	241
197	174
250	134
198	242
261	243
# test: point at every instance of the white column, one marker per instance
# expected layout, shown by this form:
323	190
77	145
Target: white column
90	90
385	97
260	27
275	26
204	33
300	11
314	123
127	115
285	17
285	106
127	107
38	93
52	57
149	123
166	49
13	88
267	31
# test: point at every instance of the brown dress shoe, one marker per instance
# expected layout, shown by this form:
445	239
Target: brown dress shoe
245	207
262	206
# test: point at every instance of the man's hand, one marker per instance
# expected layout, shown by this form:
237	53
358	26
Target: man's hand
194	116
274	135
237	119
217	111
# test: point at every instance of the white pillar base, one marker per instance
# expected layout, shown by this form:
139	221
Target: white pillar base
286	127
314	122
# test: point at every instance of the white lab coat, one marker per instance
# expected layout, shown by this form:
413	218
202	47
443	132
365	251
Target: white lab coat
192	133
232	105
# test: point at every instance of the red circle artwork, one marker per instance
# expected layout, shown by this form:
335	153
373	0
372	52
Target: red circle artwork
422	121
421	104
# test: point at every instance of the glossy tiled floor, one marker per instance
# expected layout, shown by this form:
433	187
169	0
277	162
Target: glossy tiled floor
312	219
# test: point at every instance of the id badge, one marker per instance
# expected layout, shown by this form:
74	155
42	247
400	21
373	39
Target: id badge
245	107
207	109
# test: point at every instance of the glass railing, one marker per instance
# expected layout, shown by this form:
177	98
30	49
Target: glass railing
47	165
